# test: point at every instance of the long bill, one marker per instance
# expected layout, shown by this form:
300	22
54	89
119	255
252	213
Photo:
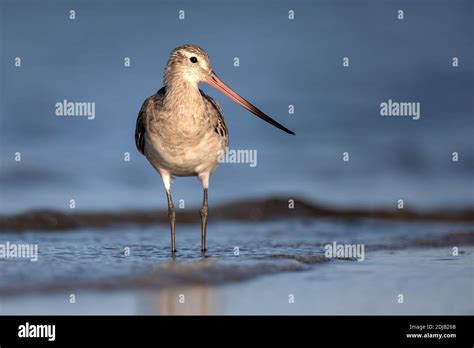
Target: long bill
217	83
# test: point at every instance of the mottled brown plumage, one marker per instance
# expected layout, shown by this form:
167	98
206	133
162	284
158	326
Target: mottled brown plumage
156	101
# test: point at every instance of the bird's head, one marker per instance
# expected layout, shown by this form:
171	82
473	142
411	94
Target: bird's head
188	62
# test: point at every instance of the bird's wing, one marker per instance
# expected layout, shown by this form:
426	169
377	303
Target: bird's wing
219	122
143	116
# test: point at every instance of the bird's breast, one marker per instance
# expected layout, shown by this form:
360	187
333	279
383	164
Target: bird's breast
184	145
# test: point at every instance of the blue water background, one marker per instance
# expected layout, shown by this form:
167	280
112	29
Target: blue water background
282	62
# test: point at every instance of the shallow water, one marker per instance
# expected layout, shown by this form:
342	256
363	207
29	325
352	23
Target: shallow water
93	263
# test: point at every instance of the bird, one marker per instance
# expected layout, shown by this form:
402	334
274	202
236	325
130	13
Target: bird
182	132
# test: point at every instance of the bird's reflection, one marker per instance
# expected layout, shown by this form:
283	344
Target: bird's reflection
190	300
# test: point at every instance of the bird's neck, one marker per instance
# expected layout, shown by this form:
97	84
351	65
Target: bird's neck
183	96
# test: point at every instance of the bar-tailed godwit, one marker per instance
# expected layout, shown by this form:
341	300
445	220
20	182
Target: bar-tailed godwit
181	130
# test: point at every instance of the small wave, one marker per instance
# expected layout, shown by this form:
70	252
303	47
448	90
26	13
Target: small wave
304	259
245	210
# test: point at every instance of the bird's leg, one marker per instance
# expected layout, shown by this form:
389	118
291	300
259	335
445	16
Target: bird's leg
171	217
203	213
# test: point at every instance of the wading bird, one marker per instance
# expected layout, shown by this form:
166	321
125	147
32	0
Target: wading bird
181	130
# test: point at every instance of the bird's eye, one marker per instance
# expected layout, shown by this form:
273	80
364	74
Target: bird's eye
193	60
